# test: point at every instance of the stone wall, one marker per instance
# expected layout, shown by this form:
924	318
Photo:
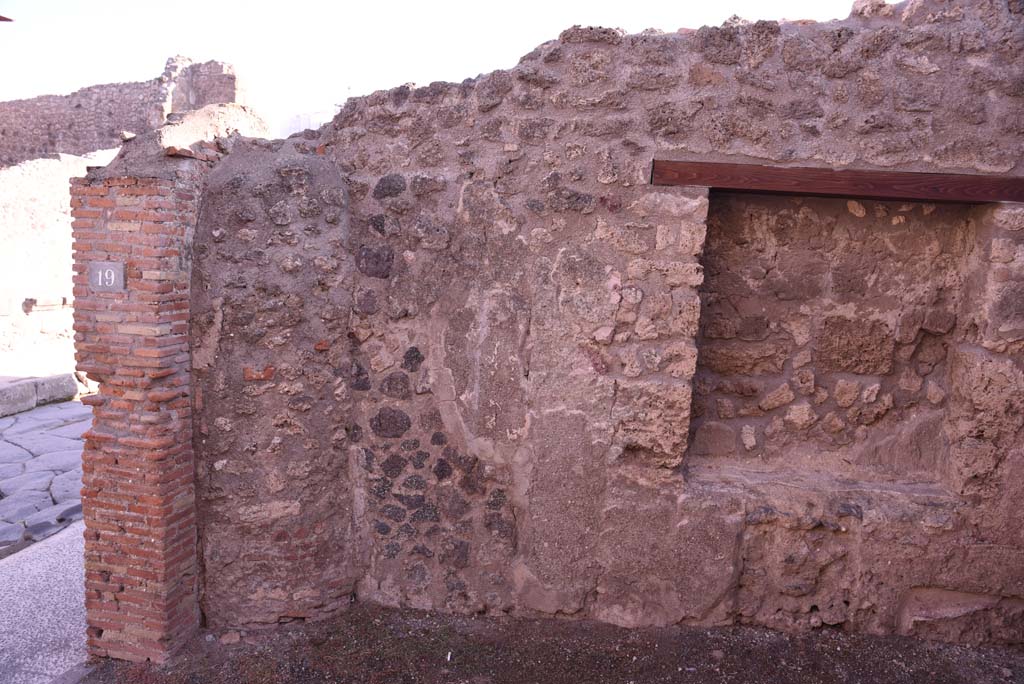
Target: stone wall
501	362
399	368
446	351
825	334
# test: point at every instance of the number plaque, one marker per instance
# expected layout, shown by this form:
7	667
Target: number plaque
106	276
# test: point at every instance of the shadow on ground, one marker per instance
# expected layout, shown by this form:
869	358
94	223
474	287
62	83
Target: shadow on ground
376	645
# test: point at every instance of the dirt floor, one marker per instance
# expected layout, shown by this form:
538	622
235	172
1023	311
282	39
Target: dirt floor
377	645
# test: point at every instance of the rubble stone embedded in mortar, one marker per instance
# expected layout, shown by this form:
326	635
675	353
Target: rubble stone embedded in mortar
270	266
820	329
468	386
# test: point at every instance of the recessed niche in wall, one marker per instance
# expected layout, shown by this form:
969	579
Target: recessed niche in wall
824	334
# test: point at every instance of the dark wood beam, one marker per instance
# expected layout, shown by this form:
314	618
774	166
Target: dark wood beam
5	19
882	185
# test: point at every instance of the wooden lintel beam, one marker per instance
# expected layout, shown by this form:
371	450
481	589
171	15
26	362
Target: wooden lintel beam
881	185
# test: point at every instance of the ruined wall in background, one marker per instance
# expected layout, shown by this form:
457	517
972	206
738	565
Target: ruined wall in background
94	118
467	385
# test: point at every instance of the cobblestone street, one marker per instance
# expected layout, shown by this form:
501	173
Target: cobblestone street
40	472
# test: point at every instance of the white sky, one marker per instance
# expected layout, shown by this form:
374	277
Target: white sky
305	56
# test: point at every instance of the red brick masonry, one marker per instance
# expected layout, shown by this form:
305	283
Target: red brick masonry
139	492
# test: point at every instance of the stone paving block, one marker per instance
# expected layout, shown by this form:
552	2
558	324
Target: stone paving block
74	409
68	486
26	423
73	511
11	533
41	414
38	480
72	430
12	453
37	420
17	397
58	461
42	443
8	470
58	513
42	530
17	507
11	549
40	472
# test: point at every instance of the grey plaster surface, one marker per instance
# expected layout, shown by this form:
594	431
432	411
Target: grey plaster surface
40	472
42	609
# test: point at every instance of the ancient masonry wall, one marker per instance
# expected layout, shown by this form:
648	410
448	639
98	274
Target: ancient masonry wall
825	334
454	352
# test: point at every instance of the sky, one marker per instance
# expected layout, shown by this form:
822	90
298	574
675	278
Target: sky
304	56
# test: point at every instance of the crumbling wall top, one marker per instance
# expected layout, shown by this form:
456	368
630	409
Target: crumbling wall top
189	135
924	85
96	117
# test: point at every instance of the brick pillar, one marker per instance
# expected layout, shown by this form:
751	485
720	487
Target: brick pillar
139	494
